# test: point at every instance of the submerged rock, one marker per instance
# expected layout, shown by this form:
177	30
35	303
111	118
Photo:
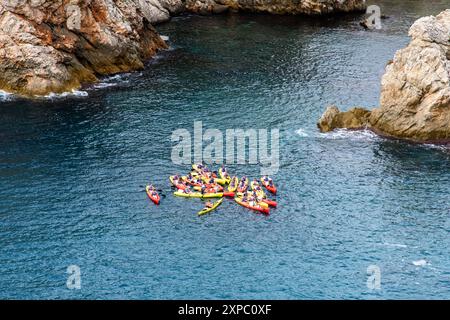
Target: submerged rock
415	89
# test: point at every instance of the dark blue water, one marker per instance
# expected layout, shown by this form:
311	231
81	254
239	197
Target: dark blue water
71	170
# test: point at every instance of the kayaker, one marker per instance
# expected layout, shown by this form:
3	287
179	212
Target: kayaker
209	204
187	190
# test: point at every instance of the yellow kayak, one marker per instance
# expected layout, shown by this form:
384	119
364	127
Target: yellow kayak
198	195
194	173
224	175
198	168
249	194
216	180
262	201
258	189
206	209
233	184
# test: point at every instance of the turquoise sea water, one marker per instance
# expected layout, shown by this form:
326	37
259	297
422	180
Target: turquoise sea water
71	170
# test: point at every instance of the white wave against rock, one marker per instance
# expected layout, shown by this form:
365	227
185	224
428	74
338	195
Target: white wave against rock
354	135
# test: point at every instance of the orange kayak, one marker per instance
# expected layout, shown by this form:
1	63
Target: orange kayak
177	184
154	197
272	188
258	208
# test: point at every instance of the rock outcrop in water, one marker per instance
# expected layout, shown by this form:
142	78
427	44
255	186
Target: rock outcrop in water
415	89
57	45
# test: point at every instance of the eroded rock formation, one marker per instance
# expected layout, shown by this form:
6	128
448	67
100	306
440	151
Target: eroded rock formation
415	89
56	45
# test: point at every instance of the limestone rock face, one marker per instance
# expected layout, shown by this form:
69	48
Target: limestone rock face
415	89
157	11
56	45
309	7
415	94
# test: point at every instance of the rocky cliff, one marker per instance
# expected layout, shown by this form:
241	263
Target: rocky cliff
415	89
307	7
57	45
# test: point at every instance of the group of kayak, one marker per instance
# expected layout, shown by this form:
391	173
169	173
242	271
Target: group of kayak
206	184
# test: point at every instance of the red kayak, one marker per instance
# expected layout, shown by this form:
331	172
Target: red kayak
270	202
228	194
153	195
177	184
199	185
271	188
248	206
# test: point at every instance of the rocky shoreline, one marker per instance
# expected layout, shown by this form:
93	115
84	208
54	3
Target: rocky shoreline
56	46
415	90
